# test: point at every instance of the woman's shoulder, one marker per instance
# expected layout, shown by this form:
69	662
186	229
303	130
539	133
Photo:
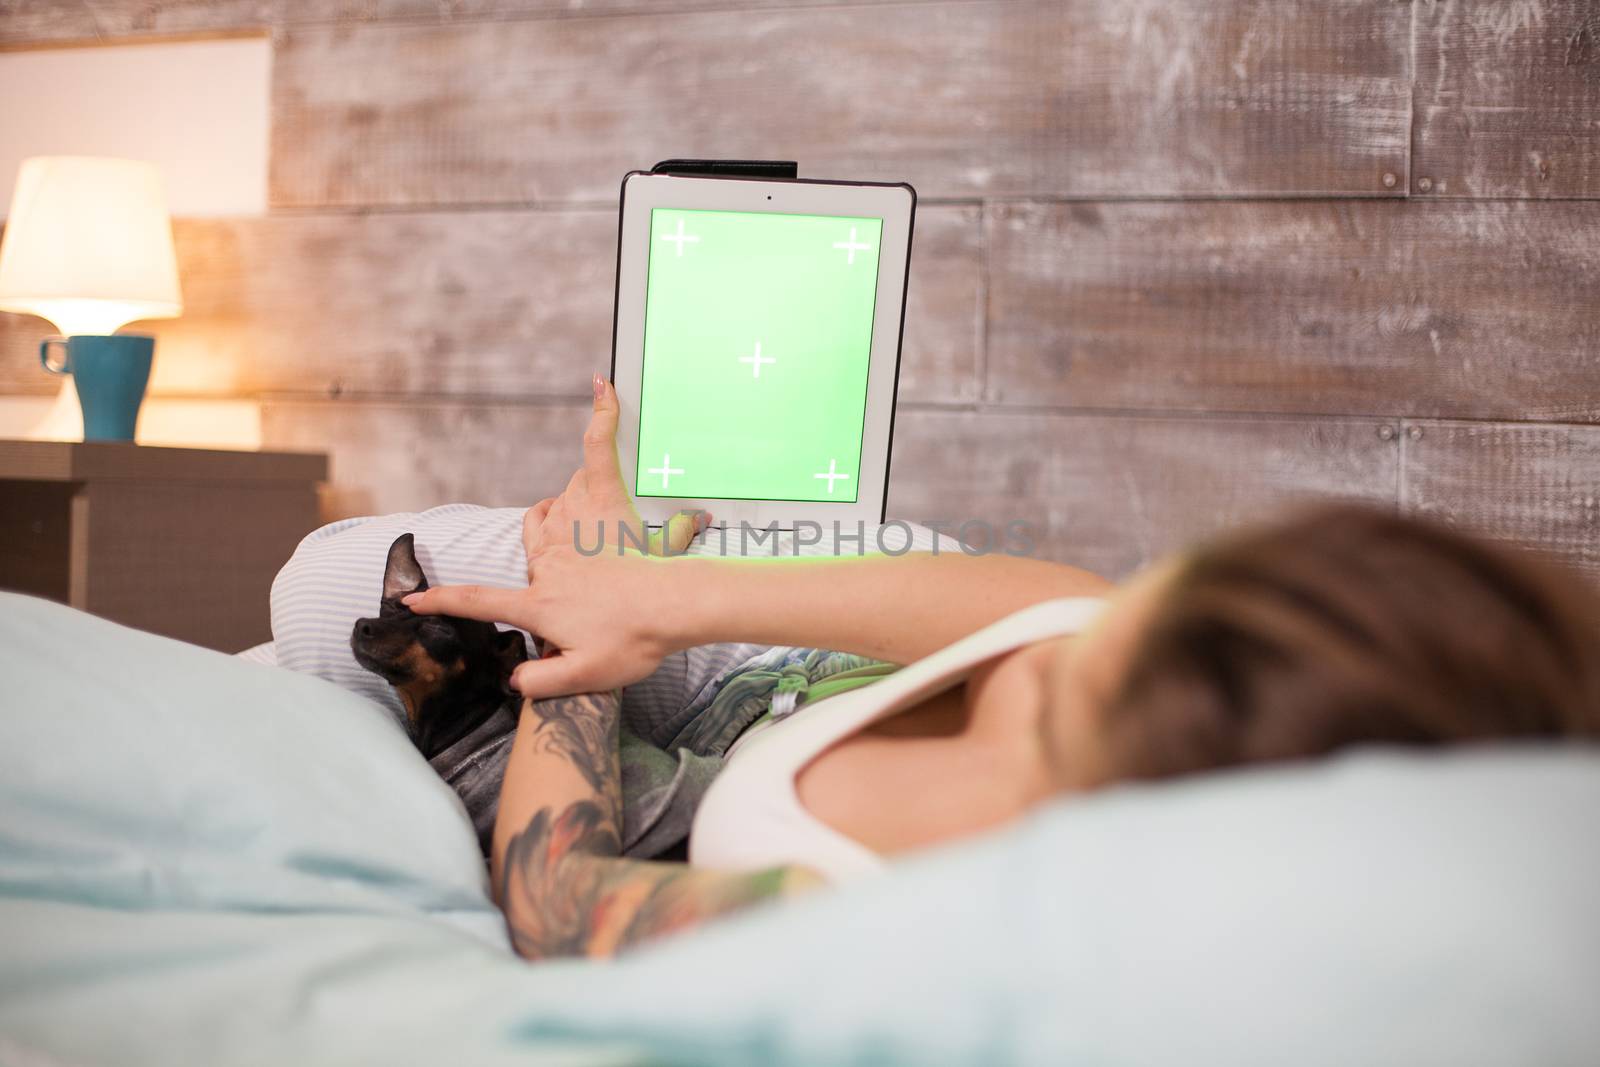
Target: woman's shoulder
1061	617
1051	618
752	815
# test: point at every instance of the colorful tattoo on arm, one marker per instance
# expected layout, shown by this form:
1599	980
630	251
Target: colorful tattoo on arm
563	886
583	729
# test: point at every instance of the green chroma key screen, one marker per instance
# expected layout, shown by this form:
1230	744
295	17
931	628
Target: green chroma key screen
757	337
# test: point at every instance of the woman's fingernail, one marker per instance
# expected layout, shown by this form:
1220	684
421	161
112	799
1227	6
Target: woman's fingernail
410	599
599	387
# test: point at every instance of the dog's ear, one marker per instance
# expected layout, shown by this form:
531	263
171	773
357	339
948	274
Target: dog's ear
402	574
509	650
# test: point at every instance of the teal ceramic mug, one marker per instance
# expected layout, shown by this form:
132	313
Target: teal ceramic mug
110	373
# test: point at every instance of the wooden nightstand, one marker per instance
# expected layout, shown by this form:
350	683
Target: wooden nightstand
177	541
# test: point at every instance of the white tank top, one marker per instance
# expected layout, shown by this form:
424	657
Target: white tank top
752	818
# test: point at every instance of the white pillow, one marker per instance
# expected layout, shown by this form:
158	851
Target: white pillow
336	577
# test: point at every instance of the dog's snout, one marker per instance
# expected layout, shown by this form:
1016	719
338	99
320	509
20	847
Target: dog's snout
364	628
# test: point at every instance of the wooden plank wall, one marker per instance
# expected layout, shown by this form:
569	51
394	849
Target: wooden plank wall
1179	263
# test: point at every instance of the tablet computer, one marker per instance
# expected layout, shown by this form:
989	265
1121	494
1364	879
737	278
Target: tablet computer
756	346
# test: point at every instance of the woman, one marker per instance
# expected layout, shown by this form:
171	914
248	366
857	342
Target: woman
1026	680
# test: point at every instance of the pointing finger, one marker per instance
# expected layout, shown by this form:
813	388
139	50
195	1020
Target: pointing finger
483	602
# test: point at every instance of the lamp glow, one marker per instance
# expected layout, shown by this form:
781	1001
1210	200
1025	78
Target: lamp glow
88	245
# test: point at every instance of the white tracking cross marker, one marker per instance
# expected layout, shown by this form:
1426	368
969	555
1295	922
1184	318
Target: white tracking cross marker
756	360
833	475
667	470
680	237
851	246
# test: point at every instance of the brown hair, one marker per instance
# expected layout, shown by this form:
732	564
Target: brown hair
1345	625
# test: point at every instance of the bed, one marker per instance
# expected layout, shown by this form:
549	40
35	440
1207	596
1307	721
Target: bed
207	860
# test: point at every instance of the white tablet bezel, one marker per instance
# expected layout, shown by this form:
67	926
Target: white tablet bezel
642	193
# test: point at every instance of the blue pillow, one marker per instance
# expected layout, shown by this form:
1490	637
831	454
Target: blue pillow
139	772
1379	908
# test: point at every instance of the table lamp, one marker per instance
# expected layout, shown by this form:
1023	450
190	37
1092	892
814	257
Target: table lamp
88	246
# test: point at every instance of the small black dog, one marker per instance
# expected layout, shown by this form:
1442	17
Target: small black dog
454	677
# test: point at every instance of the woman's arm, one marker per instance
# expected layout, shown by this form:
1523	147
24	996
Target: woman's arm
895	608
615	615
555	861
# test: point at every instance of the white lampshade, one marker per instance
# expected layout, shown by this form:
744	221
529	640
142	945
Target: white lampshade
88	244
